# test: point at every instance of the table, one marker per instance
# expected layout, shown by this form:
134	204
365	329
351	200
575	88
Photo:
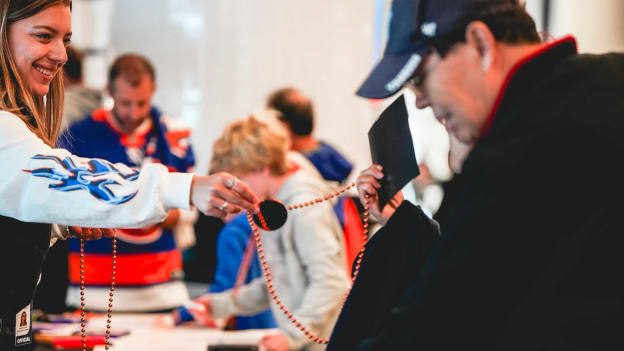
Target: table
144	335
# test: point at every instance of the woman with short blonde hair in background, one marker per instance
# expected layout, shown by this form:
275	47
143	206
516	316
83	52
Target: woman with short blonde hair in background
305	255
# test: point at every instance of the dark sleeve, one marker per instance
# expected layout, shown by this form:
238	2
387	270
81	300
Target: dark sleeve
393	258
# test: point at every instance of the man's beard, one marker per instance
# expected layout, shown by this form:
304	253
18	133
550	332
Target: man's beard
127	124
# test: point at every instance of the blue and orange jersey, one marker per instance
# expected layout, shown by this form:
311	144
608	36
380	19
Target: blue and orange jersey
145	256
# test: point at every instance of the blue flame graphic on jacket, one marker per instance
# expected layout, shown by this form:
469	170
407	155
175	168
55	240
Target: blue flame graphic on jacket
82	178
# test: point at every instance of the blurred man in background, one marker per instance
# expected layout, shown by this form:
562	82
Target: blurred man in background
80	100
306	254
149	261
297	113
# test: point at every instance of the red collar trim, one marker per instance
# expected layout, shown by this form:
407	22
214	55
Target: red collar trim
134	139
513	71
103	115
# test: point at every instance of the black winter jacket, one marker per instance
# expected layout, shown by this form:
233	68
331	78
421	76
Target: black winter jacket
531	253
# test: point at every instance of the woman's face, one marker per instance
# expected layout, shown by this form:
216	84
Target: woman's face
38	45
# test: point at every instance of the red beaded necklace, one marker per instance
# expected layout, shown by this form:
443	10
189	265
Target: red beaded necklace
265	267
267	272
83	322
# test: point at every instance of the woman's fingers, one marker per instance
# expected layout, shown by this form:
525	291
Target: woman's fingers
91	233
220	194
244	196
108	232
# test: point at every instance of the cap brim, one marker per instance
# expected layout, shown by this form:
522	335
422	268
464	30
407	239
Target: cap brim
390	74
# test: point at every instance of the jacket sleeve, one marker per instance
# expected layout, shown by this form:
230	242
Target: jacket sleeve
392	261
41	184
251	299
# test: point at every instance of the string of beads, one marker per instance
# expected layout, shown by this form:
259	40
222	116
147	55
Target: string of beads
83	321
266	269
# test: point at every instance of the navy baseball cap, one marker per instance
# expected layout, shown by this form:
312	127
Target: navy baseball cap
413	24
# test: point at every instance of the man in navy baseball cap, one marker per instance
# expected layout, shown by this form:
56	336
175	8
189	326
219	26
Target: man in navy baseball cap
523	261
414	24
455	56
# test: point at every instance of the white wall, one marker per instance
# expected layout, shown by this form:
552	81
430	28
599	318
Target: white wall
91	28
596	24
536	9
217	60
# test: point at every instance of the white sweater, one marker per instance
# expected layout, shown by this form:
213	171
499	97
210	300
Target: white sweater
42	184
307	263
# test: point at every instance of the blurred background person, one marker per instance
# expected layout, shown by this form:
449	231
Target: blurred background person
297	113
306	255
134	132
237	260
80	100
237	264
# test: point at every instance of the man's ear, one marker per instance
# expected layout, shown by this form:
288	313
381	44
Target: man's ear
479	35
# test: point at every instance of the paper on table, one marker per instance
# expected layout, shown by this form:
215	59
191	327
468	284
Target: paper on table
144	336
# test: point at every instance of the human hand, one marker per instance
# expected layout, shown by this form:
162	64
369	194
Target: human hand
90	233
425	178
367	185
458	151
220	194
167	321
172	218
202	313
274	342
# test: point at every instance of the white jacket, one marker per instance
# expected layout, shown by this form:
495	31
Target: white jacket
41	184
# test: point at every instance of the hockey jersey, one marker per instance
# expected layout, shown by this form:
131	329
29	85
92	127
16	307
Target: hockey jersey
149	266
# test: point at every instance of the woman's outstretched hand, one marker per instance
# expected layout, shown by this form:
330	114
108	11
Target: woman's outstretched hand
220	194
89	233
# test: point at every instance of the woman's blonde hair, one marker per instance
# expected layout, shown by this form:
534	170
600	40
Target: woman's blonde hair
249	145
41	114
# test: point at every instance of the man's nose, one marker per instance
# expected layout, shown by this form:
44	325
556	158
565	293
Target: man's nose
135	112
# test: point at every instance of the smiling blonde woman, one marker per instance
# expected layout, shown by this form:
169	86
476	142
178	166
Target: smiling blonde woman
40	184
